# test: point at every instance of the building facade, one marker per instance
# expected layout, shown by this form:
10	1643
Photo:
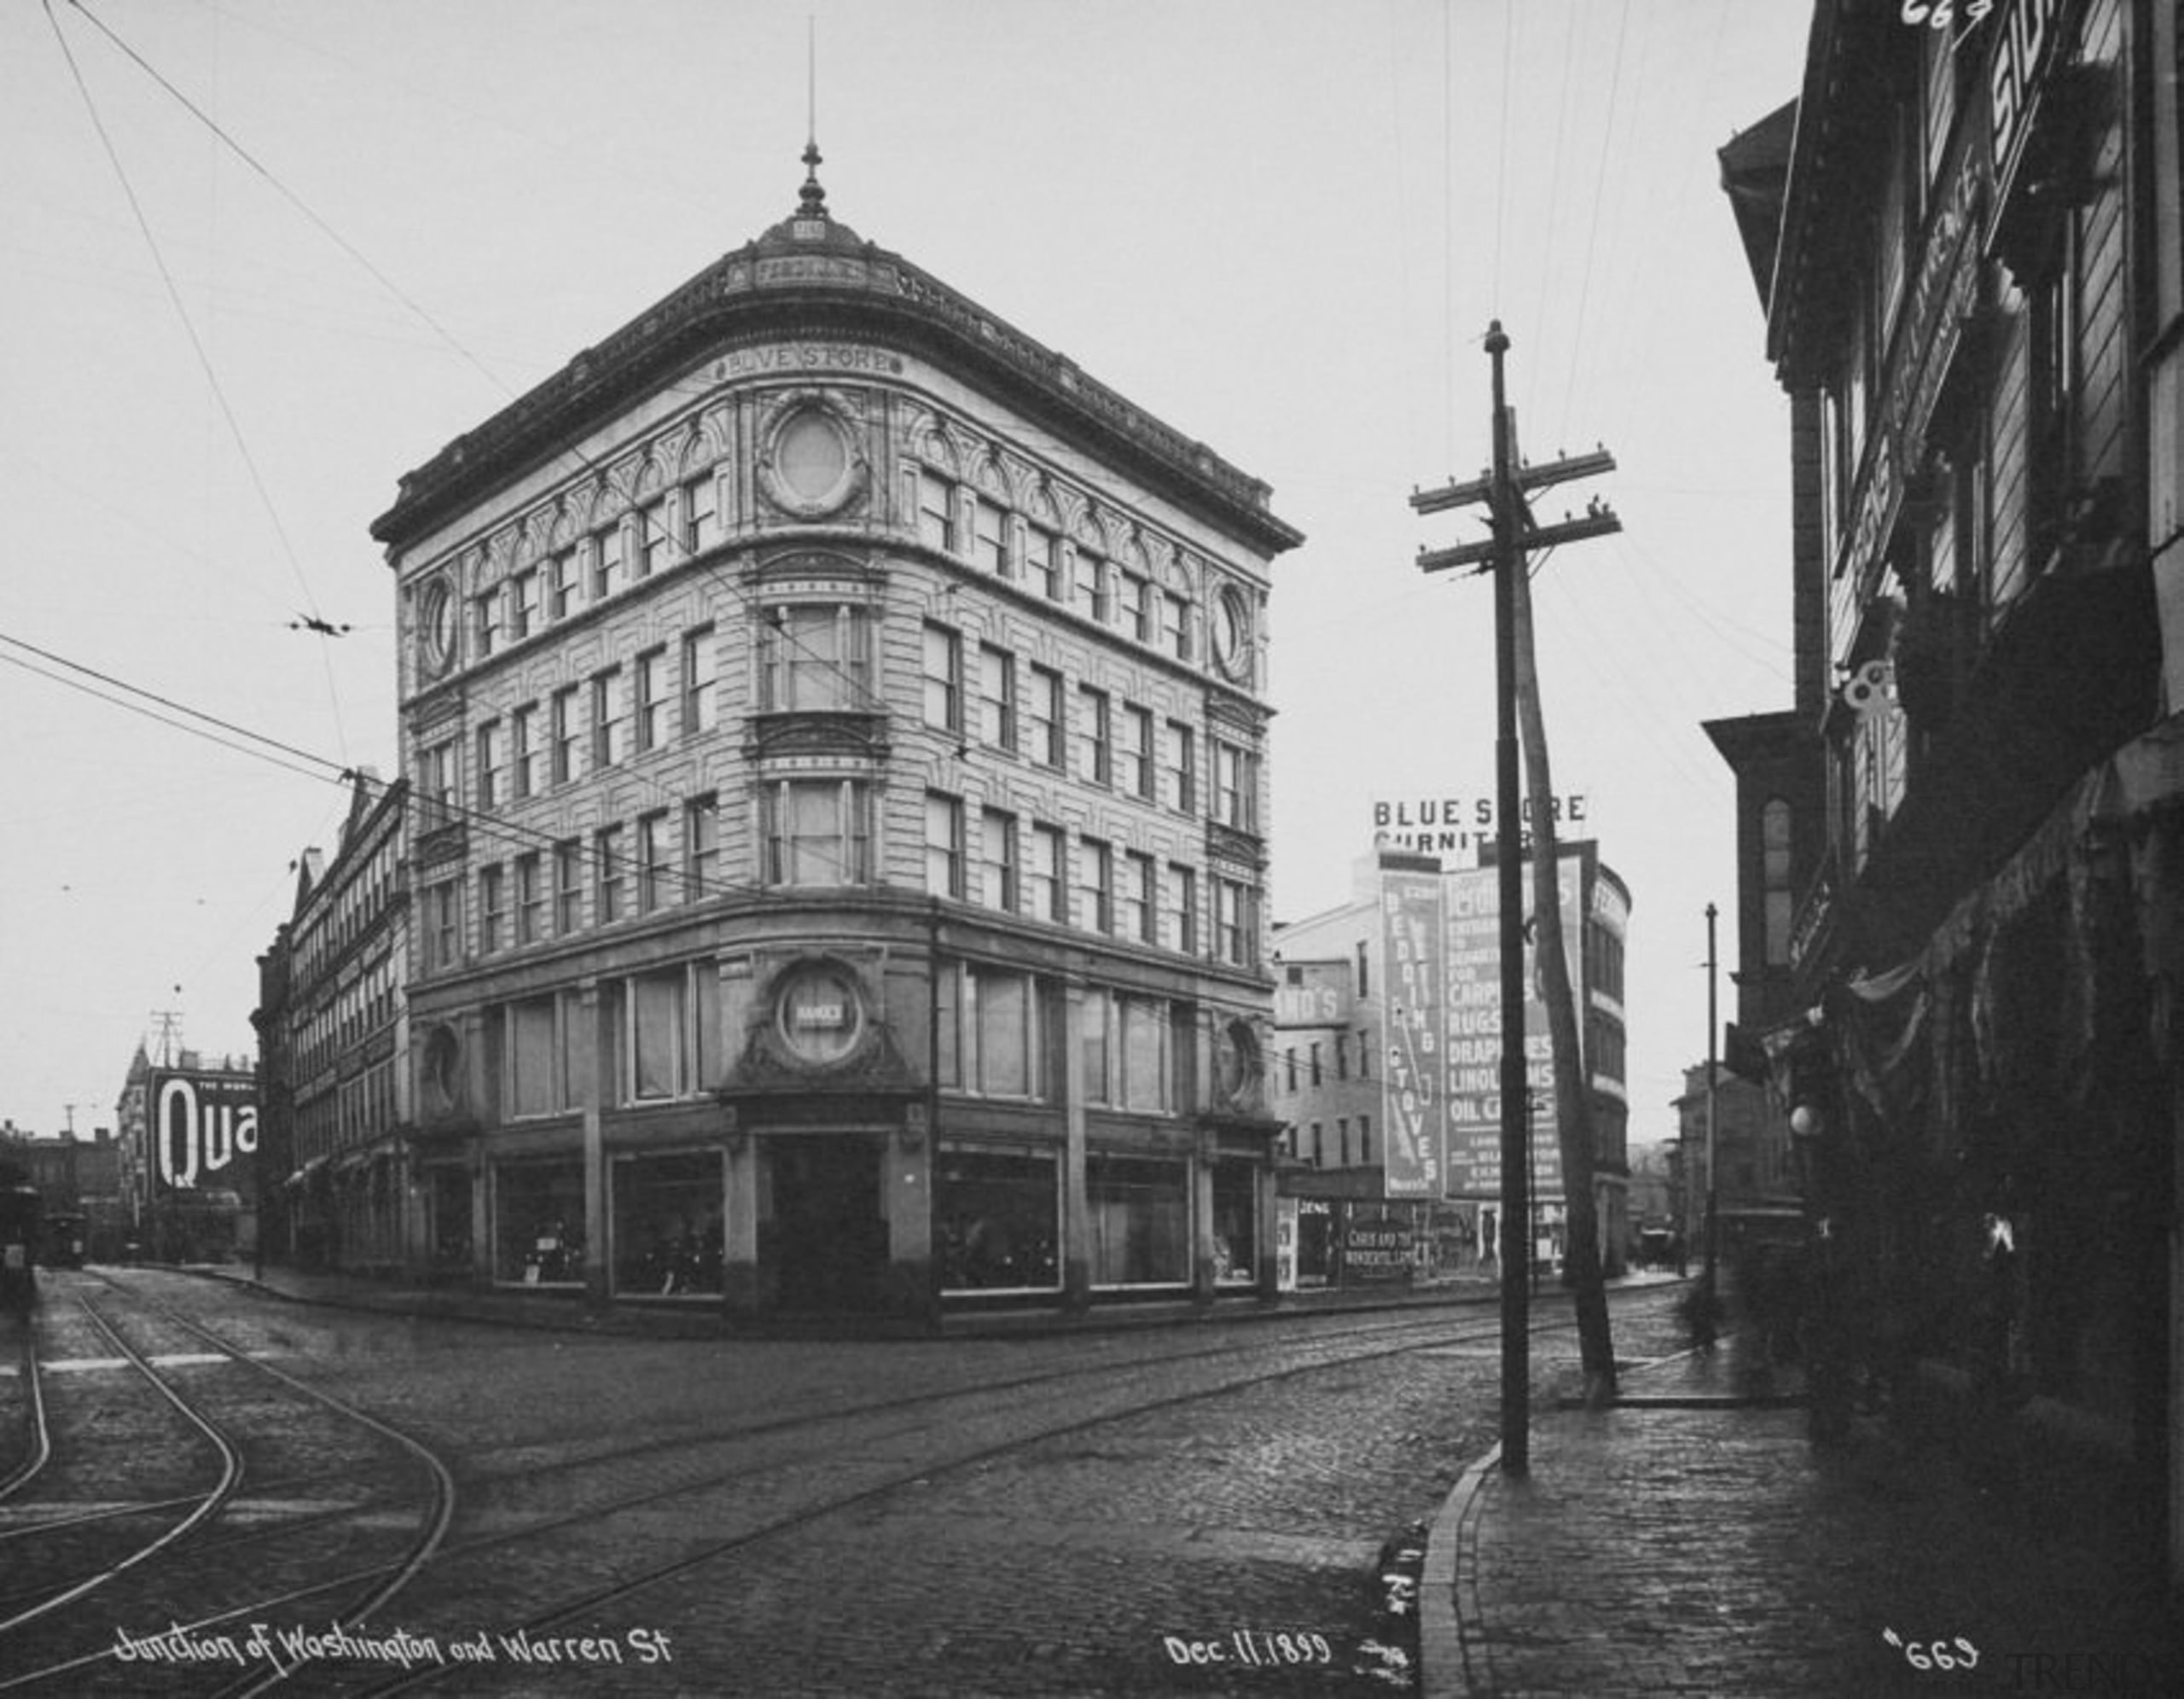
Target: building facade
341	1182
1387	1048
1958	846
836	728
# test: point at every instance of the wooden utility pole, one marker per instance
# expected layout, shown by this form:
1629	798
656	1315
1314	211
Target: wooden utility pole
1504	489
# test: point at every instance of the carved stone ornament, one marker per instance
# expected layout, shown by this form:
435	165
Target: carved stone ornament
812	461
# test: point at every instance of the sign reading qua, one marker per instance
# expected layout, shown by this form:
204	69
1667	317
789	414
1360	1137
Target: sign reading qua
204	1130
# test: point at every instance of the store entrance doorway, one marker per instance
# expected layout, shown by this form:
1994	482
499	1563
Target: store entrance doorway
829	1235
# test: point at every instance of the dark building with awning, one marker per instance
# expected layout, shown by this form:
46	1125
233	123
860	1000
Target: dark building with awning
1960	845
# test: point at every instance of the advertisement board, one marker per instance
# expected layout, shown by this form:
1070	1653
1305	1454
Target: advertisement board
203	1128
1411	1107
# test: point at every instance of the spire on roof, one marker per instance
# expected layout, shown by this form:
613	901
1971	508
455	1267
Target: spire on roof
812	198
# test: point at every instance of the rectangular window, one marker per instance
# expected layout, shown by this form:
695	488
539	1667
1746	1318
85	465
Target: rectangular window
817	832
1042	560
489	621
523	619
1044	741
532	1063
1141	899
651	683
607	858
988	535
1139	774
935	511
1139	1211
523	751
1235	786
997	859
1044	878
1175	625
1093	1045
700	514
607	729
657	1006
943	844
568	887
1144	1054
700	673
493	906
1095	748
529	899
996	1219
492	754
701	848
561	582
653	537
567	734
997	697
1089	586
436	778
814	657
1137	607
1096	886
653	870
943	678
1182	768
606	562
1235	923
444	924
1182	908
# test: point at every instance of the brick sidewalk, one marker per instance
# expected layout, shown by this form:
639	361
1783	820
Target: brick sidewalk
1693	1540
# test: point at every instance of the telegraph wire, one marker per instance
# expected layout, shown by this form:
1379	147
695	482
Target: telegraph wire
197	345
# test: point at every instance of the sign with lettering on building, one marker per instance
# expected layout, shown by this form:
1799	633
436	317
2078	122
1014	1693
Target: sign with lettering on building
204	1130
1410	1075
1464	826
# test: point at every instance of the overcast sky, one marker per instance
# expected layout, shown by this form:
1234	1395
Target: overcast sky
1280	225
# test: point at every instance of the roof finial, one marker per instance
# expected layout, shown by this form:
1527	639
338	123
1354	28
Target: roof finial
813	199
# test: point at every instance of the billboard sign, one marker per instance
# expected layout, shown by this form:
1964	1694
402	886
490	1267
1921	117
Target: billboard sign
1411	1108
1472	955
204	1130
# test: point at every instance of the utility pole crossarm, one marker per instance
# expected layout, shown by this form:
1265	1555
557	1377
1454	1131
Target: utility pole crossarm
1570	530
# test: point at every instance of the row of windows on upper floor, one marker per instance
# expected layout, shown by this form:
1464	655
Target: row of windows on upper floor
817	834
352	1114
353	1013
999	1035
1313	1149
360	903
818	658
683	523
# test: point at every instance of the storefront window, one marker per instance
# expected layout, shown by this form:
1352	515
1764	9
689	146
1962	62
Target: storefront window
1140	1215
539	1223
996	1223
1236	1223
451	1220
667	1225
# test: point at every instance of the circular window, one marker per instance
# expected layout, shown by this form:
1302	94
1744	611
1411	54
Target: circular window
820	1014
810	466
436	626
1232	632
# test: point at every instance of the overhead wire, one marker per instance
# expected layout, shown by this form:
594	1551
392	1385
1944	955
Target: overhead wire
197	345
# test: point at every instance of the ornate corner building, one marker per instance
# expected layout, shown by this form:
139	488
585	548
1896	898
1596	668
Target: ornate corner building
836	733
1960	847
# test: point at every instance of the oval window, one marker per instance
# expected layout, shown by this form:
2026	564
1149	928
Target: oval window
811	456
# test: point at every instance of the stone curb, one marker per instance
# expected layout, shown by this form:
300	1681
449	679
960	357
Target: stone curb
1443	1668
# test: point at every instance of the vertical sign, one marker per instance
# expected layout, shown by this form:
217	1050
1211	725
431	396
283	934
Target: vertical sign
1412	1107
1472	1049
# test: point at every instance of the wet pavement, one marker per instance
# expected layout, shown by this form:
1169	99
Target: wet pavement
1694	1539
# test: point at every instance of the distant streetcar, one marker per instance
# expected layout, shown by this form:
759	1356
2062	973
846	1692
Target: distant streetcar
66	1239
21	1211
